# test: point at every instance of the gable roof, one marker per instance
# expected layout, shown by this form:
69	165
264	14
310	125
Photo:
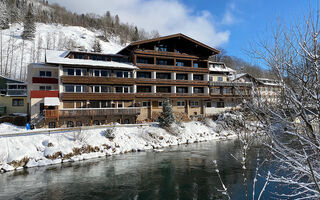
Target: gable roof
169	37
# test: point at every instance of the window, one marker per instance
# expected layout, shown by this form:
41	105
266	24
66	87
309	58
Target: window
220	104
78	88
208	104
70	124
181	103
78	123
75	88
227	91
162	62
198	77
78	72
197	90
160	103
182	76
69	88
47	87
119	89
17	102
70	72
45	73
96	89
162	47
179	64
94	104
96	72
144	74
146	104
142	60
122	74
163	75
105	89
120	105
194	103
105	73
163	89
195	65
182	90
215	91
220	78
143	89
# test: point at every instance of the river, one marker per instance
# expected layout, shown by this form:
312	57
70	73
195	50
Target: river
180	172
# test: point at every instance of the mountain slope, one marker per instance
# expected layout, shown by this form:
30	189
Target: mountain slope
16	54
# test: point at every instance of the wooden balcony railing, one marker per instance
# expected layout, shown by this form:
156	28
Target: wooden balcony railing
171	82
172	95
98	112
51	113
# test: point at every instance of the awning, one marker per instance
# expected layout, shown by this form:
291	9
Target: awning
51	101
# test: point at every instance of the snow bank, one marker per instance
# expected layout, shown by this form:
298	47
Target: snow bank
46	149
10	128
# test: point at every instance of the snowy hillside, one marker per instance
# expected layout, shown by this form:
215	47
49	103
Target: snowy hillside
16	54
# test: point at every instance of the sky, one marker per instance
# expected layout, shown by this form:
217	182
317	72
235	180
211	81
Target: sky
227	24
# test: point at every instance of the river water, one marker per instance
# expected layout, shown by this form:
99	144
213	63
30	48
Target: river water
180	172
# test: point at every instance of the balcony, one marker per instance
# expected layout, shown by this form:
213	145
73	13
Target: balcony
43	94
51	114
231	84
172	95
16	92
98	112
96	96
96	80
45	80
171	82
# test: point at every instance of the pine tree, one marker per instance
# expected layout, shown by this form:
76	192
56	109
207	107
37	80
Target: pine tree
135	36
96	47
4	20
167	117
29	27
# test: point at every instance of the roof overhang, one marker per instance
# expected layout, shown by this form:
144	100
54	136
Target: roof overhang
51	101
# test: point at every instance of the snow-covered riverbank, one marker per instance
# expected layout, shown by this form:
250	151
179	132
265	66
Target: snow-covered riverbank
38	150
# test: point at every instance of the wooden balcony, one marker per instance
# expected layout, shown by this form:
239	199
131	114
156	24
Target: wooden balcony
51	114
172	95
172	68
96	96
171	82
98	112
43	93
96	80
165	54
230	84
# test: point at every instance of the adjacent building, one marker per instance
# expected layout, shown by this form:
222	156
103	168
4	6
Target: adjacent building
13	97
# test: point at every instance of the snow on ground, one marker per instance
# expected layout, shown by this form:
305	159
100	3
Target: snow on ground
17	152
6	128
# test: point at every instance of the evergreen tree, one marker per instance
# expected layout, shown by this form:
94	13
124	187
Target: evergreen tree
29	27
167	117
135	35
96	47
4	20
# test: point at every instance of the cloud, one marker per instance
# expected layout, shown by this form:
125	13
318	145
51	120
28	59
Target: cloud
166	16
229	15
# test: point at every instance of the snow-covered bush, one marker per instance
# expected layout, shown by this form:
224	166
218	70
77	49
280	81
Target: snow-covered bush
110	133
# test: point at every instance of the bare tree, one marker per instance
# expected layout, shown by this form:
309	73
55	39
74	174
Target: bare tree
293	125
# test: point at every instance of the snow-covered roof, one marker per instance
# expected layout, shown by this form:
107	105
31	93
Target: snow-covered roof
219	67
236	76
59	57
51	101
9	79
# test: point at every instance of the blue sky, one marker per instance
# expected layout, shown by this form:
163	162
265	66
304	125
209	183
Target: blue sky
230	24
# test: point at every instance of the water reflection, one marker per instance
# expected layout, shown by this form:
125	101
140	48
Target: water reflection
183	172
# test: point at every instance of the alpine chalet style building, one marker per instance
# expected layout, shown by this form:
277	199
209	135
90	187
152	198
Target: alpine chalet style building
81	88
